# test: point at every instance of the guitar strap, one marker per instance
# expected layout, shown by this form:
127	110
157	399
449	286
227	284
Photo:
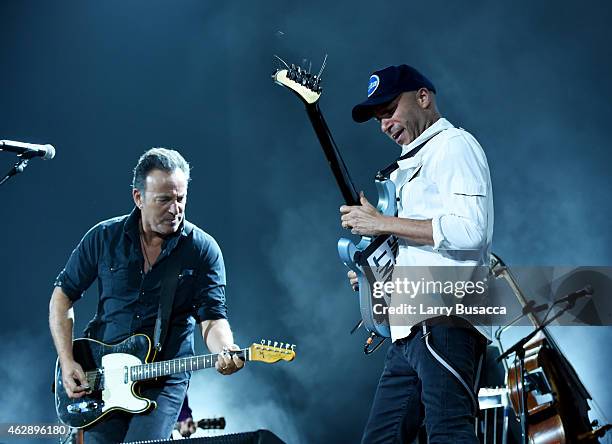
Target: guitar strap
386	172
170	280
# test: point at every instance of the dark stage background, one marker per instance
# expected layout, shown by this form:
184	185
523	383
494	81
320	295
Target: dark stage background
104	81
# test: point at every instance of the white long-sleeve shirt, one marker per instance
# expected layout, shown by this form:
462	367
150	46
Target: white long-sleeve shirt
447	181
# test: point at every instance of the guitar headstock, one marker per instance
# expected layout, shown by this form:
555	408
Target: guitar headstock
271	351
211	423
307	86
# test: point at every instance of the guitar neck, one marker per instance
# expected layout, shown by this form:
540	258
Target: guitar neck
337	165
192	363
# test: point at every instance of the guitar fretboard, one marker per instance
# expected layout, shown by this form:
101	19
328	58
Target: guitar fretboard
192	363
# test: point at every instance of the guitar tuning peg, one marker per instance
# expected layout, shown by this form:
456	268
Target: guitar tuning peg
269	343
263	342
287	346
292	347
275	344
281	345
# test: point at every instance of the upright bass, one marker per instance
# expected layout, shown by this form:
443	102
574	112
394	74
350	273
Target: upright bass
557	400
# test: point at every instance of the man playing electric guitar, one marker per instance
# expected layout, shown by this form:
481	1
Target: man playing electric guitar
133	258
445	218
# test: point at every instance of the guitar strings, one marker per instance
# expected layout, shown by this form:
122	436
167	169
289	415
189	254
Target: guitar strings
322	67
93	376
89	375
284	63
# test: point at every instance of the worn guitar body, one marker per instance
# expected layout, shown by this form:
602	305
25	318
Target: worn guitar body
113	371
107	369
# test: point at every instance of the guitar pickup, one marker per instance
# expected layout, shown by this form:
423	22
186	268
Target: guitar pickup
84	406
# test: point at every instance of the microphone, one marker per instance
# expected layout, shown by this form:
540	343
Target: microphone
28	150
573	297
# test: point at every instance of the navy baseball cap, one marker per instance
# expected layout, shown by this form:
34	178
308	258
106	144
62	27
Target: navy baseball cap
385	85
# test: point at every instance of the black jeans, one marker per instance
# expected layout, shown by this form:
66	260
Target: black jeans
118	427
415	387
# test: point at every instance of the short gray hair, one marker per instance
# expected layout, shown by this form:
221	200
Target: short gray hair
158	159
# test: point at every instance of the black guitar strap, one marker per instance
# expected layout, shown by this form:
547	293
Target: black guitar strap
168	289
386	172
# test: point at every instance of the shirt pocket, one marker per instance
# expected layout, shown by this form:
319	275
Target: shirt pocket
418	197
186	285
116	279
401	177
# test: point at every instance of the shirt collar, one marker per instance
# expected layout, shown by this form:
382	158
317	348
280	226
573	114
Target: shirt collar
131	227
439	125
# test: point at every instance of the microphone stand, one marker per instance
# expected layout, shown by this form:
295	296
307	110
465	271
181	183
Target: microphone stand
529	308
519	350
17	168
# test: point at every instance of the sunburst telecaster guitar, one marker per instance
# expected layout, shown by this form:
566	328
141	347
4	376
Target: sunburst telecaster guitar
113	373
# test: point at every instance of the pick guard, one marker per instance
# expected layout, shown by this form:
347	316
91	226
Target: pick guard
118	388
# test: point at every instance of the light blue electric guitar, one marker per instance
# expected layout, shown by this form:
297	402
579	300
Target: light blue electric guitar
372	258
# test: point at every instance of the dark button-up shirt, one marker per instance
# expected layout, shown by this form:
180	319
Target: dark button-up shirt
128	299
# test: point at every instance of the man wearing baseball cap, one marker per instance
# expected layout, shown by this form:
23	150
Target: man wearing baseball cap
445	218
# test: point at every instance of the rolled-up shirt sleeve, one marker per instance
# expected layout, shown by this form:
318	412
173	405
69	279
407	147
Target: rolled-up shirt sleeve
463	186
82	267
210	293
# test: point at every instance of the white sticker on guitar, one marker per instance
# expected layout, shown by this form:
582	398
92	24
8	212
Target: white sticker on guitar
373	84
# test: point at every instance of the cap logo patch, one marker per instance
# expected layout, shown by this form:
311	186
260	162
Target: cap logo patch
373	84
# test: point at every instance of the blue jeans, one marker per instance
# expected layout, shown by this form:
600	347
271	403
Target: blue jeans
118	427
416	388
